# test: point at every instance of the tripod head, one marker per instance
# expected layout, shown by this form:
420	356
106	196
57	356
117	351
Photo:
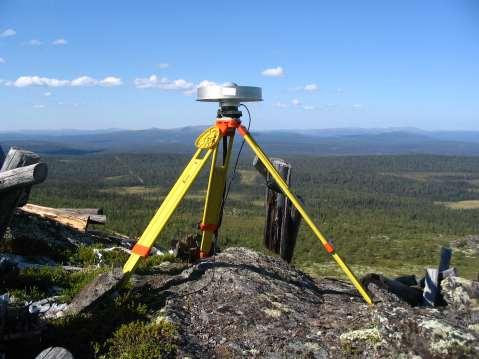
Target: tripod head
229	96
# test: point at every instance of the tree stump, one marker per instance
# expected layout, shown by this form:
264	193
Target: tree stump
17	195
282	218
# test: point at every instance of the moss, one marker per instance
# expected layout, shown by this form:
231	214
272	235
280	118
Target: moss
87	333
143	340
36	283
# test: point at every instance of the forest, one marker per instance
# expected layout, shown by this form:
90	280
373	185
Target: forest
384	214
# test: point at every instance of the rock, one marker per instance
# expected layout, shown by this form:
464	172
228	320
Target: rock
55	353
462	297
95	290
245	304
48	308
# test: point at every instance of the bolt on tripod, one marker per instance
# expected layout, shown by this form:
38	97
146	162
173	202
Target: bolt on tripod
208	143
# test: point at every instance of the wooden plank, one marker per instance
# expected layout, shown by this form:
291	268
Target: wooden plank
78	222
23	176
83	210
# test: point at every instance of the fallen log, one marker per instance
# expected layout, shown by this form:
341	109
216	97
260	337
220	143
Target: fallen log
23	176
92	211
78	222
64	216
16	197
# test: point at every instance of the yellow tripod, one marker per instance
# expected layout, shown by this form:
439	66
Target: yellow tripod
208	144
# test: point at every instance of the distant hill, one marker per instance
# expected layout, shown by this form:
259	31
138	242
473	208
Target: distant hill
349	141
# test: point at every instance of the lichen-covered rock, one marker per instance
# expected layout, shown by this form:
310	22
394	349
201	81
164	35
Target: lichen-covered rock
461	294
245	304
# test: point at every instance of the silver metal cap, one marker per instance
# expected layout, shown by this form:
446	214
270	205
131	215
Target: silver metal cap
229	93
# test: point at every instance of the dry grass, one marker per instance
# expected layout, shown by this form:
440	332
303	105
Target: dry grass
472	204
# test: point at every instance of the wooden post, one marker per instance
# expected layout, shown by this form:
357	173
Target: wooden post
12	198
282	218
2	156
432	281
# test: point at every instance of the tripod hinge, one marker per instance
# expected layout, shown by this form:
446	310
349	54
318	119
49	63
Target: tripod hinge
227	127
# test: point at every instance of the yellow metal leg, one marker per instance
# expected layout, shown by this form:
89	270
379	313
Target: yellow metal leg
284	187
169	205
214	198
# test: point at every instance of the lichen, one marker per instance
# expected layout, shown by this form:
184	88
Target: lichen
445	339
369	335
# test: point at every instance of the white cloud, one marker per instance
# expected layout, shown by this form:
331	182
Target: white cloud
8	33
2	60
47	94
339	90
111	81
309	107
311	87
34	42
59	42
163	65
205	83
82	81
38	106
163	83
26	81
280	104
295	102
273	72
357	106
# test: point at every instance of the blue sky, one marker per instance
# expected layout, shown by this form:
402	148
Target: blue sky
105	64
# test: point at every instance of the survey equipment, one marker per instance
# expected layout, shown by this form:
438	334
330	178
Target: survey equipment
221	135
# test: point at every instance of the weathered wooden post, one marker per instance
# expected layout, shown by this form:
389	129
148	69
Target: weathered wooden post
19	171
282	218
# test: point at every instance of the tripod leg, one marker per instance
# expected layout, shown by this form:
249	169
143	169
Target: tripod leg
170	203
214	197
284	187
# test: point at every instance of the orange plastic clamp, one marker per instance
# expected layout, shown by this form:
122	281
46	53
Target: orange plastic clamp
141	250
210	227
226	126
329	248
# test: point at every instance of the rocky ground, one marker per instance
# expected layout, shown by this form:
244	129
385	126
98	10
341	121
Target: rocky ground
243	303
239	303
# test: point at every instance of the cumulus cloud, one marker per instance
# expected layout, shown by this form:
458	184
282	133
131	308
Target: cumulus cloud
110	81
8	33
34	42
2	60
295	102
26	81
59	42
311	87
82	81
163	83
273	72
163	65
47	94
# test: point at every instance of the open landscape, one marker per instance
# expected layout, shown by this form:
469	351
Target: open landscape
387	214
264	179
